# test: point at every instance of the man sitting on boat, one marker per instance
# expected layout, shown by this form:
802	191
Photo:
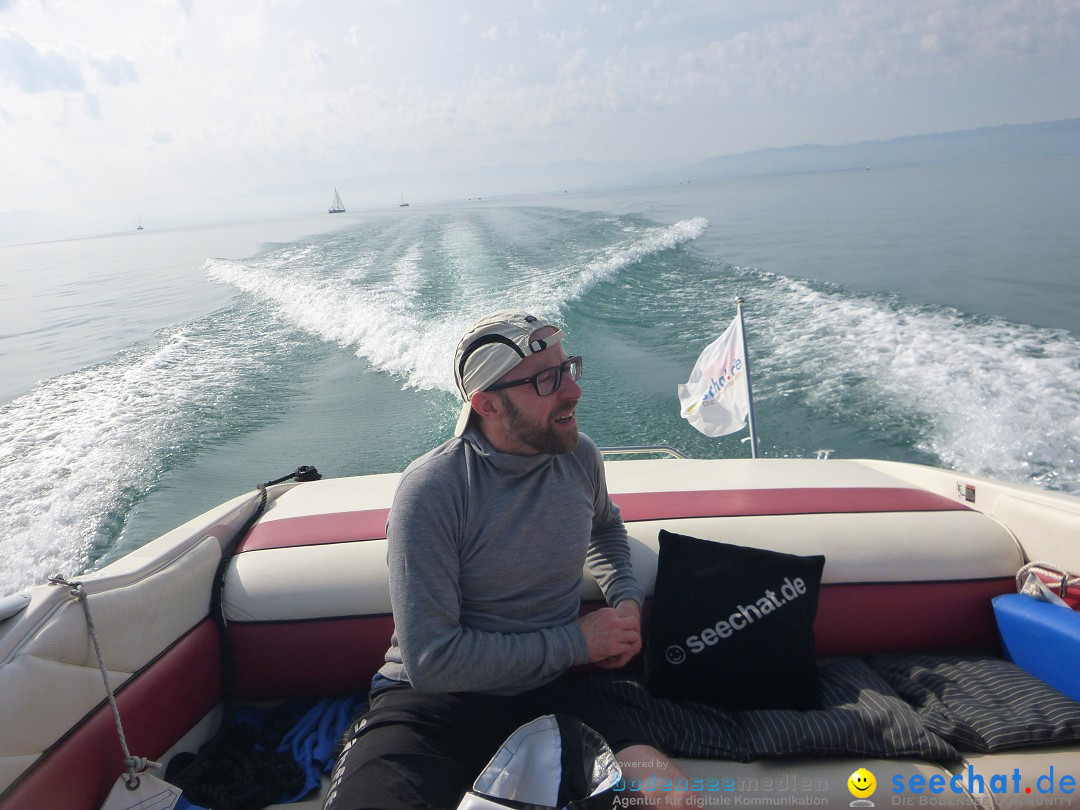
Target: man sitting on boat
487	538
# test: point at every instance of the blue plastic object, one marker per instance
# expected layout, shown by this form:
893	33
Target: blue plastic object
1041	638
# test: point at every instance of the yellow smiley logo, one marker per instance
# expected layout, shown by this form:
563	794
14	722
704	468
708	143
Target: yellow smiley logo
862	784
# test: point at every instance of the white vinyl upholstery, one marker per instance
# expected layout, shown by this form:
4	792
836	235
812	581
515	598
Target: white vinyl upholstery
141	604
350	578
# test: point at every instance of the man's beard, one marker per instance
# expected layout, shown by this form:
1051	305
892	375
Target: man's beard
541	439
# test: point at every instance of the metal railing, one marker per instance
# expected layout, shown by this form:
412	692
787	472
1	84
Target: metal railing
650	450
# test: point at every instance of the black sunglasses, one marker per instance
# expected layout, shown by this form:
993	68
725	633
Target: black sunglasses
546	382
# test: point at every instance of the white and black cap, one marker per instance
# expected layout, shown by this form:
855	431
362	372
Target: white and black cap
490	348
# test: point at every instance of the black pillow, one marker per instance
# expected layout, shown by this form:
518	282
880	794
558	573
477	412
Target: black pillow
732	626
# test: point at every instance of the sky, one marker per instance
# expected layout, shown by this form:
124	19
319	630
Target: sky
178	111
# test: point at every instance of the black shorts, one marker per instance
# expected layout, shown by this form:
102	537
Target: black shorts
424	750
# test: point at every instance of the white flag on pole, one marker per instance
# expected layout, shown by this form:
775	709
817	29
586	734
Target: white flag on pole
714	399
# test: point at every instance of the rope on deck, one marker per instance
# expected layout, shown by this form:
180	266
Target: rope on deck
134	765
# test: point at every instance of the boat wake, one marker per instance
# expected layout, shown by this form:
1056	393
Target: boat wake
82	449
975	393
401	313
865	374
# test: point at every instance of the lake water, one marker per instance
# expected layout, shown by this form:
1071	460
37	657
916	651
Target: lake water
925	315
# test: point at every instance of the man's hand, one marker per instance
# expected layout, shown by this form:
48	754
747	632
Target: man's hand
628	607
612	634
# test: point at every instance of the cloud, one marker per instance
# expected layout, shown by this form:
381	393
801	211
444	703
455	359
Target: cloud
866	44
115	69
1017	30
643	23
310	54
496	32
277	91
491	33
37	70
244	31
561	39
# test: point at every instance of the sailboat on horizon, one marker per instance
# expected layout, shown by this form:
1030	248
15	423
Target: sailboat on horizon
140	222
337	206
403	204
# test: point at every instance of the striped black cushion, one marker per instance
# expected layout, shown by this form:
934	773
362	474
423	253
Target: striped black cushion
860	716
981	703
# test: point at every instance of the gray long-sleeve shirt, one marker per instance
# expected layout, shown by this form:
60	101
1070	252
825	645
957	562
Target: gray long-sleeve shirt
486	551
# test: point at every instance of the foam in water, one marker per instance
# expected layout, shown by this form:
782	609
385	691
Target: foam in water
80	449
987	396
387	321
979	394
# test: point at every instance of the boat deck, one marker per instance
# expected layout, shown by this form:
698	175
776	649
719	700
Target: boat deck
914	557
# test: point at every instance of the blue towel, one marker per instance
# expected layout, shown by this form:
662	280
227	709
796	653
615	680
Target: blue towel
311	741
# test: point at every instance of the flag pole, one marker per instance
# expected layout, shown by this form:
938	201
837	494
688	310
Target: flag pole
749	389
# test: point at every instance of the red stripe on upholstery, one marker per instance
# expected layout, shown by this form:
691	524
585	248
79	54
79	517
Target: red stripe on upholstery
316	658
314	530
339	656
878	617
158	706
792	501
370	524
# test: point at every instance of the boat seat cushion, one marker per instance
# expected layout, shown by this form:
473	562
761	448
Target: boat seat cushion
309	575
733	626
860	716
980	703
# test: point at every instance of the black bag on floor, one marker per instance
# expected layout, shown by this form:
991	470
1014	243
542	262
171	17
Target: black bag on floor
553	762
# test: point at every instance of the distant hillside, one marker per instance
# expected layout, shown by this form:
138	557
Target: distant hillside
985	145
